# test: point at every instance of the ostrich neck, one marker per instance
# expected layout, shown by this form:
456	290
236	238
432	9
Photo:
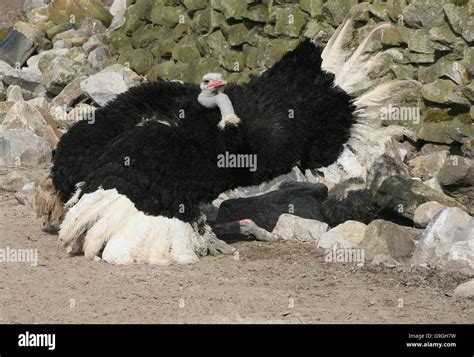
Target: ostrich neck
220	100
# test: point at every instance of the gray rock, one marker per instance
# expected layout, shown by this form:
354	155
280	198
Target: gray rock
302	200
14	94
26	79
24	116
93	42
70	94
427	166
31	4
425	212
26	195
430	148
32	31
383	237
289	226
434	184
13	181
130	77
92	27
23	148
448	242
59	73
400	196
98	57
465	290
446	132
104	86
424	13
62	44
457	170
4	109
352	232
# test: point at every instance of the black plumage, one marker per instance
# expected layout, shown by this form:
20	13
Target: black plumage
159	147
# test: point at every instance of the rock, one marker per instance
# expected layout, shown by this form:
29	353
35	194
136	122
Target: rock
430	148
98	57
13	181
332	241
94	42
26	79
140	60
33	32
443	35
193	5
60	11
232	9
59	73
237	34
353	232
39	102
383	237
419	42
17	48
24	116
4	109
446	132
457	170
104	86
425	212
69	95
427	166
92	27
257	13
448	242
26	195
273	51
300	200
167	16
438	91
289	226
14	94
61	44
75	37
185	51
312	7
130	77
23	148
400	195
290	21
31	4
33	62
424	13
335	11
465	290
455	15
385	260
434	184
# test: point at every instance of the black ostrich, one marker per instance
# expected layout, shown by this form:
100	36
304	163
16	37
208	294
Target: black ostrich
127	188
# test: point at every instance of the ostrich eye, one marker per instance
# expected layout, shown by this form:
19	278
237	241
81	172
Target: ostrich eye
206	81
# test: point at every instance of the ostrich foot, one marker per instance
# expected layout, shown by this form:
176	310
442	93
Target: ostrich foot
247	228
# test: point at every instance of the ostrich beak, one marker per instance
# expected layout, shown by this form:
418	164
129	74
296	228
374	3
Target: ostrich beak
218	83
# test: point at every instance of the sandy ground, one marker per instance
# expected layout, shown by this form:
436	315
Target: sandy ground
286	282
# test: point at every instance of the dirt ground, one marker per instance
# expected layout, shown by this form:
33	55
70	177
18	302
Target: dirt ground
287	282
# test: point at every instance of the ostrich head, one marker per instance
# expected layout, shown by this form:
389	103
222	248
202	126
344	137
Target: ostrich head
212	84
211	96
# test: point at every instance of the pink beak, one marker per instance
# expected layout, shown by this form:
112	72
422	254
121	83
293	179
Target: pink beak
218	83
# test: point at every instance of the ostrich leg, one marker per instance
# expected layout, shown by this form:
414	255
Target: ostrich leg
247	228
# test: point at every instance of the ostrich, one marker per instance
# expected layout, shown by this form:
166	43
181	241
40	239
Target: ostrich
127	188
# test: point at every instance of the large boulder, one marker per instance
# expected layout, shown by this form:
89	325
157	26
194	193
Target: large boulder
400	196
60	11
387	238
425	212
23	148
448	242
303	229
104	86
